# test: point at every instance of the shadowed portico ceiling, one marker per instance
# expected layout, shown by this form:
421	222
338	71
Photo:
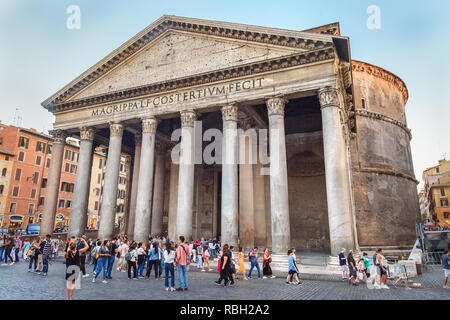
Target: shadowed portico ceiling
294	48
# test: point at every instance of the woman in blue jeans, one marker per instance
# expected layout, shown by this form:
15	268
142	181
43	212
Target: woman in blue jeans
169	258
102	262
140	259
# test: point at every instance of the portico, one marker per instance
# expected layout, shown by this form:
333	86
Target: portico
156	96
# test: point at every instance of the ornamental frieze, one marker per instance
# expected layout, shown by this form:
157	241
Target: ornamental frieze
244	70
359	66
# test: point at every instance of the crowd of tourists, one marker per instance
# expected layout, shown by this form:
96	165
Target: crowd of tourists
160	254
359	270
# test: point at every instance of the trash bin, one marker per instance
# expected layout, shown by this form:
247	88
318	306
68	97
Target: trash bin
419	268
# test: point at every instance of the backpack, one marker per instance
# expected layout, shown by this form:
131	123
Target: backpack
127	256
249	256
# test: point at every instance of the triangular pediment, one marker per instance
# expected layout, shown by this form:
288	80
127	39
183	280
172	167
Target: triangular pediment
174	48
178	55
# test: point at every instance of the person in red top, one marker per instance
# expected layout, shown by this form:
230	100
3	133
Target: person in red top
182	260
267	259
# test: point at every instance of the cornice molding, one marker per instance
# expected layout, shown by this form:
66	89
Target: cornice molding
387	172
249	69
396	81
381	117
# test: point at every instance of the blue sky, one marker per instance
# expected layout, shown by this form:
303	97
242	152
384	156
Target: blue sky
39	55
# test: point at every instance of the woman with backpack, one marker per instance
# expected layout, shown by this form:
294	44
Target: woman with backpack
140	259
130	258
95	253
34	252
102	261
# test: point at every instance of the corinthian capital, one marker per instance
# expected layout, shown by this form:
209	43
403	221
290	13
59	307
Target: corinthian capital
275	106
188	118
328	96
149	125
87	133
229	112
58	135
116	129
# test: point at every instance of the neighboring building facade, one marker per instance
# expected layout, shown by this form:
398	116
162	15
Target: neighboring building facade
96	188
436	193
341	172
6	165
27	175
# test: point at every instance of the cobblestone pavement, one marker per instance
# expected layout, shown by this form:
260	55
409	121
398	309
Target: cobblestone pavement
17	283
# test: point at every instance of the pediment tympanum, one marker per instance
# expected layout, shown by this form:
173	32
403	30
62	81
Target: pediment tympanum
178	55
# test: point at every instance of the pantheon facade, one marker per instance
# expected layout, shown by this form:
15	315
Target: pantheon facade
339	170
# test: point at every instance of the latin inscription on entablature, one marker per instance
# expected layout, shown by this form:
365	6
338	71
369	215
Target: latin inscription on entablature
178	97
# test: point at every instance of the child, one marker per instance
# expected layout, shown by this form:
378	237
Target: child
401	273
361	270
293	270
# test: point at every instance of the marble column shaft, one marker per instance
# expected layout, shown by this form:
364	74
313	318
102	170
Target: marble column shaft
229	205
336	172
186	175
145	184
54	177
158	192
134	185
78	212
173	200
279	203
246	192
109	200
259	198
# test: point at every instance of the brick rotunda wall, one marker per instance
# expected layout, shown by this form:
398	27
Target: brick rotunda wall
384	186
